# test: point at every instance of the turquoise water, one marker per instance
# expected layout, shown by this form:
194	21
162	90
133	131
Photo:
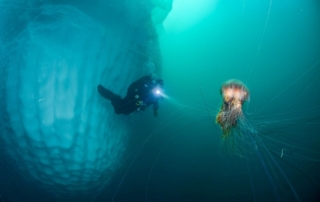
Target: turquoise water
274	48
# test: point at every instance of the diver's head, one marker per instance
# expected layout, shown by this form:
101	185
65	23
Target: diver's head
159	82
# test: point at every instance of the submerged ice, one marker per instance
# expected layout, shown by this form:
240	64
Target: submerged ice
53	123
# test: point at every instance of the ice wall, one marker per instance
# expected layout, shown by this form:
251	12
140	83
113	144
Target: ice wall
54	124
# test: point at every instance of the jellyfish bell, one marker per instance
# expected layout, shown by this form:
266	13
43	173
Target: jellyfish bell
234	89
234	94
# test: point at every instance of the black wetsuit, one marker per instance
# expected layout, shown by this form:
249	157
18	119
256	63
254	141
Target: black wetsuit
139	96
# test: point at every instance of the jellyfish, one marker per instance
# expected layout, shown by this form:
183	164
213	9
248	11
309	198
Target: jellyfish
243	139
234	94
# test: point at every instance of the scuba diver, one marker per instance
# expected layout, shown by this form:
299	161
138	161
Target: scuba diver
140	94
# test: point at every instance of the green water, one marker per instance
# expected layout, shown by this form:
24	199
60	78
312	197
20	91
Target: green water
255	41
274	48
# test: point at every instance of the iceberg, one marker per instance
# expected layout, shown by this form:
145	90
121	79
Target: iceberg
54	125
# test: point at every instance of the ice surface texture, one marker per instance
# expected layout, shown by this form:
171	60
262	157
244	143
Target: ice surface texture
53	122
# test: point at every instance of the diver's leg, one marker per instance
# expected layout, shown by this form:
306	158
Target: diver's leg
106	93
115	99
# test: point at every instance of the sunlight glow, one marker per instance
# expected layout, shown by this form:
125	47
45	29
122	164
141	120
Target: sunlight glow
187	13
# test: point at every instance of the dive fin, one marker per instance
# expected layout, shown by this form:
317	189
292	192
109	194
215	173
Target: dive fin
106	93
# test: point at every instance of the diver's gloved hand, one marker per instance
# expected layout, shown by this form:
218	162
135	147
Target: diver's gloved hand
155	112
